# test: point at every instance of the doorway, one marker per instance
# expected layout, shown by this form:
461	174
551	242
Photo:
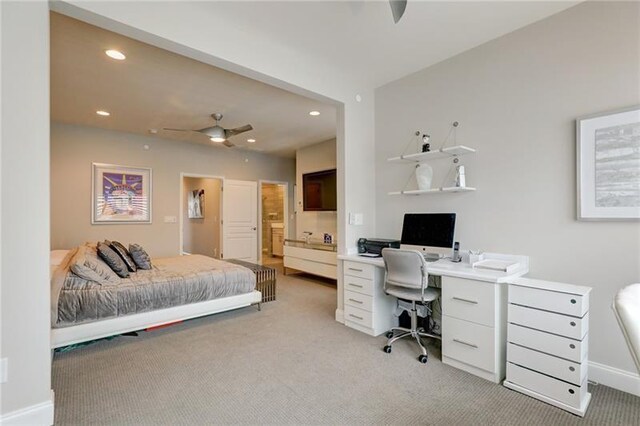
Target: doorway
200	213
273	214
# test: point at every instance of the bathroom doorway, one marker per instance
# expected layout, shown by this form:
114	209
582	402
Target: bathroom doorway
200	215
273	221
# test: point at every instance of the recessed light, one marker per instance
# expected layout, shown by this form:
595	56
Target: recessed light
103	113
251	140
314	113
115	54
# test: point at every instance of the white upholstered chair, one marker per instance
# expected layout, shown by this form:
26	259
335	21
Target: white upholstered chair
626	306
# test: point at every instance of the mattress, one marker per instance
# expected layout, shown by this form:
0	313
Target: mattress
171	282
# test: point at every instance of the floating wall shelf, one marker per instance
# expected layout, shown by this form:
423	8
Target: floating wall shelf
453	151
433	190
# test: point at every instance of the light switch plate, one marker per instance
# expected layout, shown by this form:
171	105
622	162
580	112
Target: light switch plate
170	219
355	218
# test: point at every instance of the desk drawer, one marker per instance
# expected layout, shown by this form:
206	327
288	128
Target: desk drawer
553	388
559	368
575	328
359	285
357	269
473	344
358	300
562	303
469	300
574	350
358	316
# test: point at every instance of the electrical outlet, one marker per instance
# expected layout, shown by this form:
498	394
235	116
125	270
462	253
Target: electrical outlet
170	219
4	370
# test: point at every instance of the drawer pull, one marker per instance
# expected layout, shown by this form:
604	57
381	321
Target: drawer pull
572	346
573	324
355	269
571	391
357	317
465	343
473	302
572	369
357	301
573	301
355	285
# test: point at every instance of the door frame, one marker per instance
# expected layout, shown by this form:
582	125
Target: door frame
181	215
286	211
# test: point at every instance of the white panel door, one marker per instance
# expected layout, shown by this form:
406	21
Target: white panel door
240	220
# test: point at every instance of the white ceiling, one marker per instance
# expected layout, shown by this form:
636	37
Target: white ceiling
155	88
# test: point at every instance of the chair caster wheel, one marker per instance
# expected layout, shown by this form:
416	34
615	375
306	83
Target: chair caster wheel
387	349
389	334
423	359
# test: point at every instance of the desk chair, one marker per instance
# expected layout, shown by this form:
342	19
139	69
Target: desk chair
406	278
626	306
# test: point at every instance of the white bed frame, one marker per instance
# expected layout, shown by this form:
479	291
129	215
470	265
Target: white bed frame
110	327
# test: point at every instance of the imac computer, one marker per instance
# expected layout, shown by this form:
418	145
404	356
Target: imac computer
429	233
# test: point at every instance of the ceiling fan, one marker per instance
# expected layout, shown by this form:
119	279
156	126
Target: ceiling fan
217	133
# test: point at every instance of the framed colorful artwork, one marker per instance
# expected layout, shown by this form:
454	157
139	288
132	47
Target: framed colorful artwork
121	194
608	165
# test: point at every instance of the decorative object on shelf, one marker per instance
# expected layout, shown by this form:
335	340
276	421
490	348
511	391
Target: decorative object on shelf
424	176
460	181
120	194
195	204
608	167
328	238
426	146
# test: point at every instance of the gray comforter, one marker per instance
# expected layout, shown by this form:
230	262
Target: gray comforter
171	282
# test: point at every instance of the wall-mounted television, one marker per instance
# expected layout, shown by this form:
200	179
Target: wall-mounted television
319	191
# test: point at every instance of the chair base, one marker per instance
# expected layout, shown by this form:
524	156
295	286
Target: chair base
414	332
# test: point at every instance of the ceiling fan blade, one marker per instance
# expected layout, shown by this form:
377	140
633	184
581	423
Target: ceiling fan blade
238	130
227	144
177	130
397	8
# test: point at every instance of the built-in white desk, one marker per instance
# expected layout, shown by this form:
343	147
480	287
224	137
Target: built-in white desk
474	308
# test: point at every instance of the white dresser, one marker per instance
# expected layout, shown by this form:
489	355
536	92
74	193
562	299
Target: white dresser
366	307
548	342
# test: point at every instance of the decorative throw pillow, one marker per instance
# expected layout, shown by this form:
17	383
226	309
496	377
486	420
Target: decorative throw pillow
140	256
86	264
124	254
112	259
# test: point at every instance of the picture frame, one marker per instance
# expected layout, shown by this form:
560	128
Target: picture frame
608	165
120	194
195	204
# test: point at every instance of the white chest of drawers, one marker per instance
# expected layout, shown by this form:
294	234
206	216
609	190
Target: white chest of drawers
366	307
547	337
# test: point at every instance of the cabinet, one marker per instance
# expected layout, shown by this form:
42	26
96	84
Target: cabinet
474	326
451	152
547	349
277	242
366	307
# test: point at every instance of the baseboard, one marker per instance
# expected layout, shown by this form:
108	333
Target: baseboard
340	316
614	378
38	414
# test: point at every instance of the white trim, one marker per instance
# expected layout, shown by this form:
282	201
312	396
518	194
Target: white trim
285	219
109	327
181	216
622	380
340	316
37	414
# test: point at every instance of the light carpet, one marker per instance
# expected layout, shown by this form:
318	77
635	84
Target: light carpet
291	363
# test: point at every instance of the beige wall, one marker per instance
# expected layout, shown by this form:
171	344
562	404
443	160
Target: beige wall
74	148
315	158
202	235
517	99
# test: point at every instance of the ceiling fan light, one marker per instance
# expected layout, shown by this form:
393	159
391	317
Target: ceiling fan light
218	139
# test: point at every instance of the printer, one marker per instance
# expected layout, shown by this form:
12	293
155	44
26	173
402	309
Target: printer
372	247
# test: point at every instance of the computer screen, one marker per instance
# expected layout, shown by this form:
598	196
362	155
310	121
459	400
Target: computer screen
429	232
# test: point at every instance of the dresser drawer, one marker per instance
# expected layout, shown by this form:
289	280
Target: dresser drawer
357	269
563	303
473	344
553	388
359	285
469	300
559	368
575	328
358	300
358	316
574	350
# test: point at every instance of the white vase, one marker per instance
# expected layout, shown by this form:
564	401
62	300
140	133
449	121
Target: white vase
424	176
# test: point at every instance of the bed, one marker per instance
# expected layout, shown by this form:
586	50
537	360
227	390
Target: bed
174	289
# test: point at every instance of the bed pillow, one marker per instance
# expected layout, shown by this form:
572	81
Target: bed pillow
86	264
140	256
112	259
124	255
